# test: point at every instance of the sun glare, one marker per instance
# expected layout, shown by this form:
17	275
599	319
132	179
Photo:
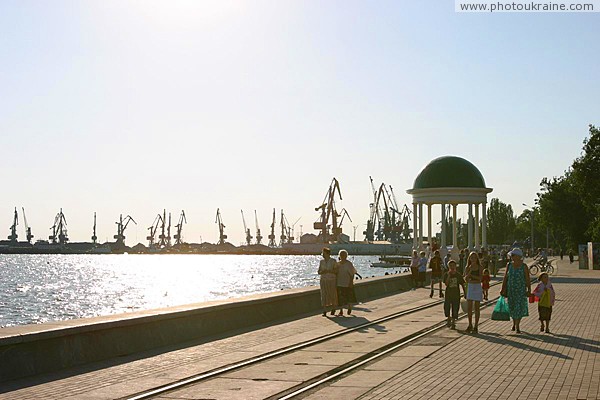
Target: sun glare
184	12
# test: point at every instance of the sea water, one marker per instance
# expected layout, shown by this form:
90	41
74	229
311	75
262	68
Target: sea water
43	288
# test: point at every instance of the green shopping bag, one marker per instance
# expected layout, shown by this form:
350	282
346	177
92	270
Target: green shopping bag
501	312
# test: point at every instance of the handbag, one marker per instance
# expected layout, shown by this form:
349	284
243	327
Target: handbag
501	312
545	299
532	298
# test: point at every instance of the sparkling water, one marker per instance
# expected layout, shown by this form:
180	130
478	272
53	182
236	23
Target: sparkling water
42	288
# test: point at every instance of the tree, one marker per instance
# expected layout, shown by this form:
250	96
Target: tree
586	173
570	204
562	209
500	223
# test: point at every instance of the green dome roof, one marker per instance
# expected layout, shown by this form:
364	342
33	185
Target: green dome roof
449	171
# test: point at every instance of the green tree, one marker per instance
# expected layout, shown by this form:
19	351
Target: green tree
586	173
570	205
500	223
562	209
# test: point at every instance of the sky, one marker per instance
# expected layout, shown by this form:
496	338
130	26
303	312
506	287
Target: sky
131	107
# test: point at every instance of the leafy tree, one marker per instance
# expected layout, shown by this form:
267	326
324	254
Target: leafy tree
500	223
562	210
570	204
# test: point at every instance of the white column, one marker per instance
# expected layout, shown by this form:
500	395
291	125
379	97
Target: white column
454	233
477	246
420	243
470	227
484	225
429	230
443	239
415	226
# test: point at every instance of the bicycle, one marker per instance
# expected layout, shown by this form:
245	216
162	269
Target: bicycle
540	266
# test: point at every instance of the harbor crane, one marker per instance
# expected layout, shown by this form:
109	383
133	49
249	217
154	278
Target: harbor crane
179	228
246	230
258	235
94	237
153	229
292	229
328	212
28	233
59	229
165	239
169	232
219	221
121	226
13	229
287	235
387	221
272	235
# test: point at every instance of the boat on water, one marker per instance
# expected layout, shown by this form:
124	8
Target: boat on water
397	261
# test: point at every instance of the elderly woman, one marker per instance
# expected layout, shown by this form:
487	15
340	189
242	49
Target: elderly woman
516	287
473	274
345	283
328	282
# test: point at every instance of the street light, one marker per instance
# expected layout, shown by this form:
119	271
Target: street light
531	213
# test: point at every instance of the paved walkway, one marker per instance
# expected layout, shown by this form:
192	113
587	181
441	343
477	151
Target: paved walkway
497	363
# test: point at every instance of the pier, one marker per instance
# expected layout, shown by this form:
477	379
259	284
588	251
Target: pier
394	345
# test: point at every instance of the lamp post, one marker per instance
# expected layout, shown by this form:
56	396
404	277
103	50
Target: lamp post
531	217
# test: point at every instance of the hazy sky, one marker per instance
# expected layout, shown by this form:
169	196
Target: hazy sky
135	106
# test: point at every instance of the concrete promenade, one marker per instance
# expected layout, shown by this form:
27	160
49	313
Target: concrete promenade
495	364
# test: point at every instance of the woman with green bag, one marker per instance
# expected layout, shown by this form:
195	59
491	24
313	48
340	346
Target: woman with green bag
516	287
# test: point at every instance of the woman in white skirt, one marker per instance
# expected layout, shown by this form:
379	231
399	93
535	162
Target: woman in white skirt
473	274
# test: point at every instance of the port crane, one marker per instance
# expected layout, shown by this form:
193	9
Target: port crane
121	226
272	235
13	229
165	239
179	228
292	229
287	230
59	229
169	232
94	237
387	221
28	233
246	230
374	215
328	212
219	221
153	229
258	235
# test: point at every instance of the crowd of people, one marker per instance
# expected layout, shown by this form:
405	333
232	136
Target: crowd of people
471	273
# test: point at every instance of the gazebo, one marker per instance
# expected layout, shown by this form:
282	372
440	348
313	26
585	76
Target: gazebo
450	180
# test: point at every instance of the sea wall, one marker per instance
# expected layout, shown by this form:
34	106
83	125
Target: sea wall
34	349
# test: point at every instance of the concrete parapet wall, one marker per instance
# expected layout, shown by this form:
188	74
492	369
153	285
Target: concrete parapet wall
35	349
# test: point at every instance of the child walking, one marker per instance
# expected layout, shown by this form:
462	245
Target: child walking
453	281
545	292
485	283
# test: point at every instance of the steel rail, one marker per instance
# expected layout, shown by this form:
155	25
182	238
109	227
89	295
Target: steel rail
285	350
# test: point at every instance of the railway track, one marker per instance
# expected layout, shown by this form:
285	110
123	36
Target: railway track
332	374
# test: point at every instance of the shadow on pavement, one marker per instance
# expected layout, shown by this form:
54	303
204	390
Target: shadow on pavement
566	279
350	321
506	340
568	341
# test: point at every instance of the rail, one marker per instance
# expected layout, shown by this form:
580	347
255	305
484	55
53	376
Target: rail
194	379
